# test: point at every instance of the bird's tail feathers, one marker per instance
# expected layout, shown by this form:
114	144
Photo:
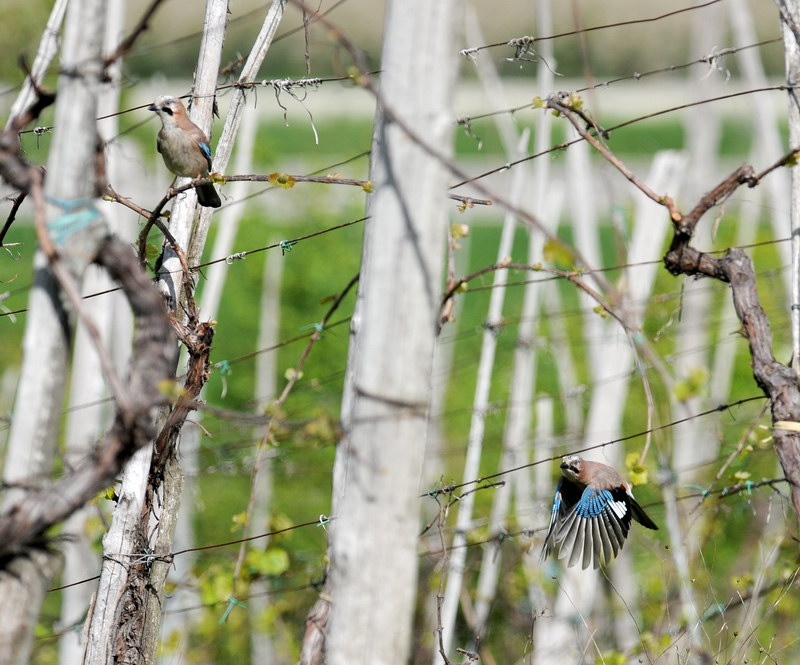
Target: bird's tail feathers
207	196
640	516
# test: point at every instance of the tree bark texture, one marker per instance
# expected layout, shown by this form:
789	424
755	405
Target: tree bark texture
777	381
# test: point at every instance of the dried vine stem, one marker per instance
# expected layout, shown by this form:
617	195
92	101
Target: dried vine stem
778	381
132	428
569	108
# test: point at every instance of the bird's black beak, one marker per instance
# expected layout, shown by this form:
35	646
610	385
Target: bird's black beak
564	465
152	107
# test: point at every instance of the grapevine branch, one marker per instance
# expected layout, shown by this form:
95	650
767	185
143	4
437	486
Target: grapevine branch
778	381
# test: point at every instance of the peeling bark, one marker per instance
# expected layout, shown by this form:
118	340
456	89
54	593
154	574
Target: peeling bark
776	380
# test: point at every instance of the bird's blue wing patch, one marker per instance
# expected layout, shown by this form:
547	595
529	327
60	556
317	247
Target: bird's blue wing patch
593	502
556	502
206	149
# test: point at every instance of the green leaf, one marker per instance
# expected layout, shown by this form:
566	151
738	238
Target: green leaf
273	561
291	374
458	231
216	584
636	470
278	522
281	180
557	253
238	521
575	101
692	385
170	388
614	658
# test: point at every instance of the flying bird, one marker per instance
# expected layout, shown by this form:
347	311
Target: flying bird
184	147
591	515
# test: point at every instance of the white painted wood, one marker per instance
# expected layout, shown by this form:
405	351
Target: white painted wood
122	543
545	204
768	115
37	410
238	97
117	552
182	574
48	47
480	405
183	211
90	413
387	391
262	645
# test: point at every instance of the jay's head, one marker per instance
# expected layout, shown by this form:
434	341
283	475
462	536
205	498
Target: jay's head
571	467
168	108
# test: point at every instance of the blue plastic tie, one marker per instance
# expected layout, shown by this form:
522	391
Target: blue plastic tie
232	602
286	246
78	214
703	491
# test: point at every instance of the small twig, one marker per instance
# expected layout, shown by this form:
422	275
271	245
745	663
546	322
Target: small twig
449	303
560	103
154	220
468	201
281	179
128	42
112	195
742	176
783	161
785	582
746	487
455	499
441	518
43	100
12	216
293	378
742	441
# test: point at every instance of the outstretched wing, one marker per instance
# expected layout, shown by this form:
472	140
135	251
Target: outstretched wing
566	496
595	528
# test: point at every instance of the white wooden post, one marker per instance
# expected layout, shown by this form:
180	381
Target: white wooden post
374	534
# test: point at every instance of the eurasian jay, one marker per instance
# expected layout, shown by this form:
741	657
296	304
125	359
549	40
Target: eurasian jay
184	147
592	511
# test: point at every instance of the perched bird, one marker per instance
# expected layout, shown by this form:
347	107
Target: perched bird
592	511
184	147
